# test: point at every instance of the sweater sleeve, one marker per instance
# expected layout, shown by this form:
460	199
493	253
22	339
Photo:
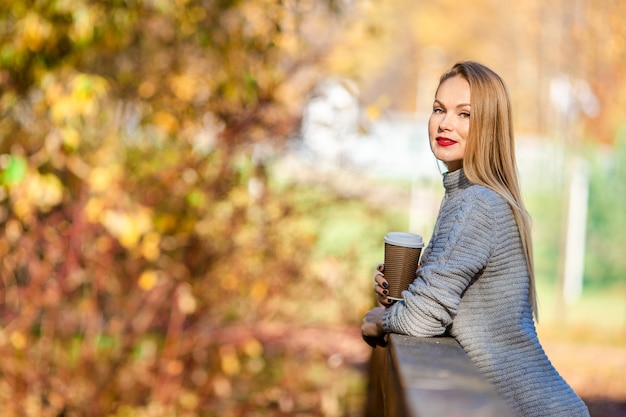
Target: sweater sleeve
460	249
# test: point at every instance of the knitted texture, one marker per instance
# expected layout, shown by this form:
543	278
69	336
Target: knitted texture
474	284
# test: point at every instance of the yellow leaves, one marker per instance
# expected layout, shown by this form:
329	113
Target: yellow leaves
197	13
259	291
235	358
70	137
164	6
166	121
64	107
229	361
94	209
35	191
183	86
86	86
253	348
33	32
127	226
229	282
18	340
45	191
239	197
146	89
148	280
189	400
102	178
186	302
129	222
13	230
8	99
84	24
150	246
260	16
78	97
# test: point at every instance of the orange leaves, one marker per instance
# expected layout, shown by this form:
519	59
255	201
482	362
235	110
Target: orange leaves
18	340
165	121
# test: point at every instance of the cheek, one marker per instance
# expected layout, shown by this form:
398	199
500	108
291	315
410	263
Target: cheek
465	130
432	128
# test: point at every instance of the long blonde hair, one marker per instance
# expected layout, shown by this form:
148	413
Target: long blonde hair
489	158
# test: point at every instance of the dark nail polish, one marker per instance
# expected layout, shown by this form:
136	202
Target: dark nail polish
385	284
385	292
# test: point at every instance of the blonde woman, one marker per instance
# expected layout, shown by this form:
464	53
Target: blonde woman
476	281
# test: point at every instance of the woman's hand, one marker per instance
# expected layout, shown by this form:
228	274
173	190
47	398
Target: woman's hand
380	286
372	327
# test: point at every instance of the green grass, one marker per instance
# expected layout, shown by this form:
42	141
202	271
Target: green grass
598	316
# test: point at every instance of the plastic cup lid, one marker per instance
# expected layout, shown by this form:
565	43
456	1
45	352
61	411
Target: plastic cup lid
409	240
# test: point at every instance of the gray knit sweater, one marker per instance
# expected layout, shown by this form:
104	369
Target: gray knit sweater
474	283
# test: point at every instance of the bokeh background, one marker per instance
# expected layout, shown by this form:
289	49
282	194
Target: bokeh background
193	193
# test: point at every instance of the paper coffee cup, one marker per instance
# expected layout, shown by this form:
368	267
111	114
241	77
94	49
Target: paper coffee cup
402	254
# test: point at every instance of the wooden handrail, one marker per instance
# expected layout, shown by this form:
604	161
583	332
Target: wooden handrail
428	377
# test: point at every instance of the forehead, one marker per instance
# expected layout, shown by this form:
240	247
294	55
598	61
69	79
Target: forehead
455	89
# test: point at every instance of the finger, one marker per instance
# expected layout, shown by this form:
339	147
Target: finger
380	267
384	300
381	291
388	302
380	280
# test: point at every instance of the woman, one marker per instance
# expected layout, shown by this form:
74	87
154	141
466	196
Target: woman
476	280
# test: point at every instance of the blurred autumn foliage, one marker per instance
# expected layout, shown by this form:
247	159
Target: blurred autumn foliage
143	249
151	262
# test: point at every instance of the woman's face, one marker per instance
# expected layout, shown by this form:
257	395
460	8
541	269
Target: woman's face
449	122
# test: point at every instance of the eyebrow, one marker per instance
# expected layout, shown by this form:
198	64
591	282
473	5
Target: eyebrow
457	106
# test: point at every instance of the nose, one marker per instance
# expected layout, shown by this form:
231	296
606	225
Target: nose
446	124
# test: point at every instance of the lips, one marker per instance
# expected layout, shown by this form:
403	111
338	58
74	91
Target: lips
441	141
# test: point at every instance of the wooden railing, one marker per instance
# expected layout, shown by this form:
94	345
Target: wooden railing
428	377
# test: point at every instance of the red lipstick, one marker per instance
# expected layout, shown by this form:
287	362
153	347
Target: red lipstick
441	141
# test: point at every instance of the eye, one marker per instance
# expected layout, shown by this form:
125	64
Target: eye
464	115
437	110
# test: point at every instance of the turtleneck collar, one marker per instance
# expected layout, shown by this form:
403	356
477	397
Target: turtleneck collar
455	182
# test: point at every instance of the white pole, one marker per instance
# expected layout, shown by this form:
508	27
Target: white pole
576	232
